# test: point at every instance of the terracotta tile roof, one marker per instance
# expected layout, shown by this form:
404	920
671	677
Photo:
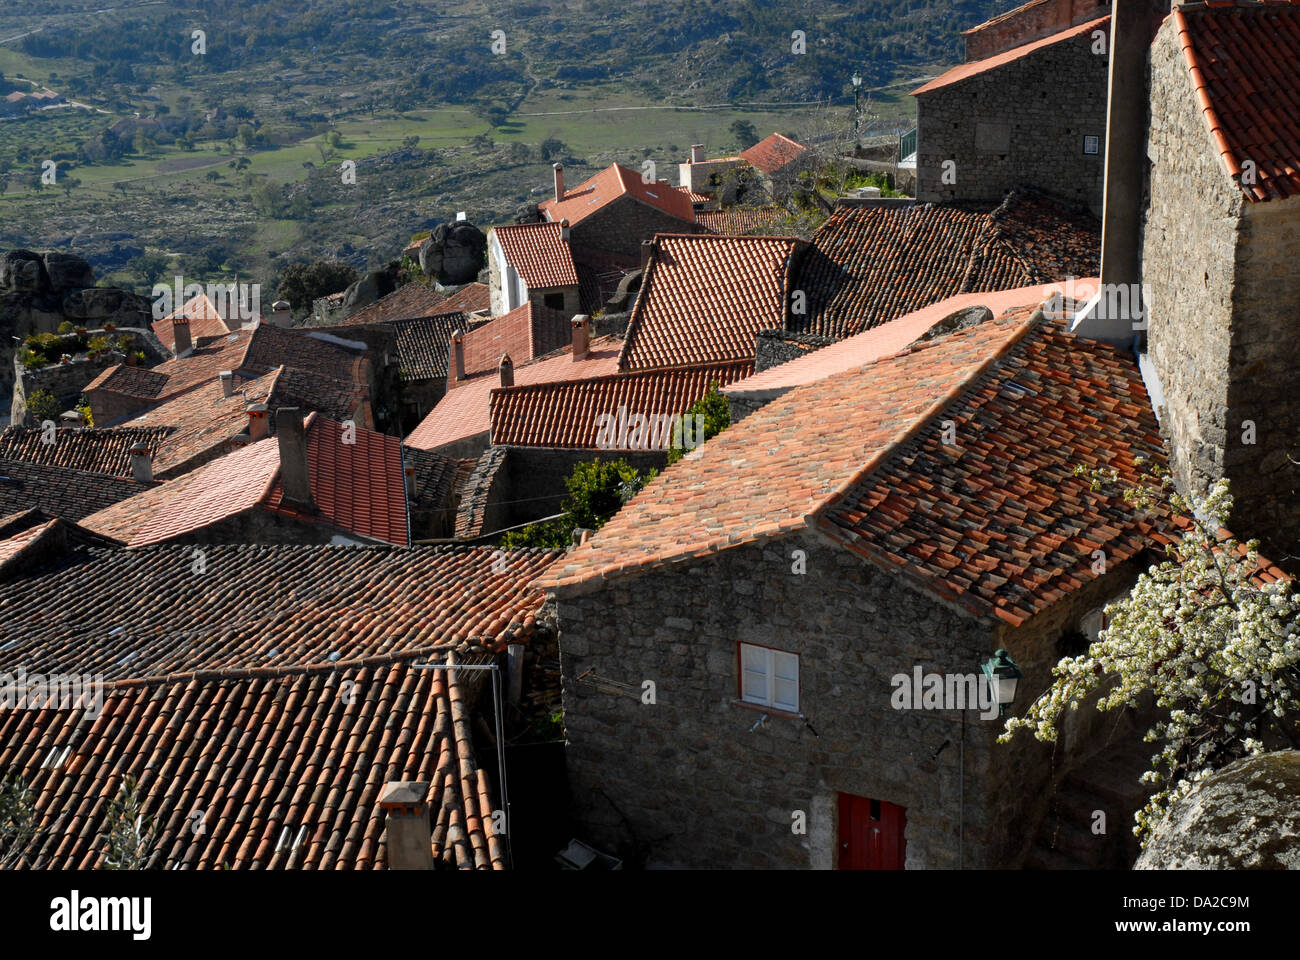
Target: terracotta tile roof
175	376
695	197
330	397
1244	61
423	344
205	321
284	769
407	301
437	479
705	297
737	221
996	522
200	422
881	341
773	152
101	450
869	265
464	412
967	70
568	414
270	347
538	253
59	491
265	606
470	298
358	487
525	333
610	184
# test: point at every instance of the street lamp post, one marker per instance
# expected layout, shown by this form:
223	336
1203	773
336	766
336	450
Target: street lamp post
857	108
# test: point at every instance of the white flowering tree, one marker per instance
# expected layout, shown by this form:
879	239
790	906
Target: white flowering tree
1217	648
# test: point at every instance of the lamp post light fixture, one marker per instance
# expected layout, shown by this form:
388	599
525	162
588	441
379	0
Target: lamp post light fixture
1003	676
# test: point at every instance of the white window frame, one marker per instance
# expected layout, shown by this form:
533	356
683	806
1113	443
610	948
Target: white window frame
761	666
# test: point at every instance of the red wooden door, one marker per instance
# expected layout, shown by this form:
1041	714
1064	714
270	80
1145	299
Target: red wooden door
871	834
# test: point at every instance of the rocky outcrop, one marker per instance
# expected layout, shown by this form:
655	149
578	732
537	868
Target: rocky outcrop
969	317
453	253
38	291
1243	817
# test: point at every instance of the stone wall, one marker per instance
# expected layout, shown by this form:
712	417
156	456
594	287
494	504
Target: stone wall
1031	22
620	227
775	347
1264	378
1020	125
65	381
690	780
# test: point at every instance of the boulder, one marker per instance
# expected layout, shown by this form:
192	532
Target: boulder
67	272
453	253
23	271
969	317
376	284
1245	816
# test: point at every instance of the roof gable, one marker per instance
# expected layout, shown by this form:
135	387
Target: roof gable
525	333
613	183
773	152
539	254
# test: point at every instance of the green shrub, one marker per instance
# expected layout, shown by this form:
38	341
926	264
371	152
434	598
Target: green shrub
43	405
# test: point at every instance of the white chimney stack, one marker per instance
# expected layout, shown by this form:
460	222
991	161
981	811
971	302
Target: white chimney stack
697	153
559	181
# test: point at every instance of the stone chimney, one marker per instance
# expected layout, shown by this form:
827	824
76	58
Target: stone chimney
227	383
697	153
581	336
141	463
564	231
181	334
559	181
295	478
259	424
458	354
406	811
507	370
281	313
409	473
647	251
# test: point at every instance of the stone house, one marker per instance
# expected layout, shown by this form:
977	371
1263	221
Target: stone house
732	642
532	262
615	210
1221	181
1027	110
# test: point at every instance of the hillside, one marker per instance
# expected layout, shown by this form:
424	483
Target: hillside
228	160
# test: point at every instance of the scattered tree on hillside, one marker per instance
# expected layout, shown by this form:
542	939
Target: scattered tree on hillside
303	283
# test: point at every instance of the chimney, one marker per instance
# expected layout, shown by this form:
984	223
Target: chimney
507	370
141	463
458	354
515	672
281	313
559	181
181	334
227	383
294	476
1126	164
581	336
697	153
564	230
410	481
259	424
647	250
406	811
